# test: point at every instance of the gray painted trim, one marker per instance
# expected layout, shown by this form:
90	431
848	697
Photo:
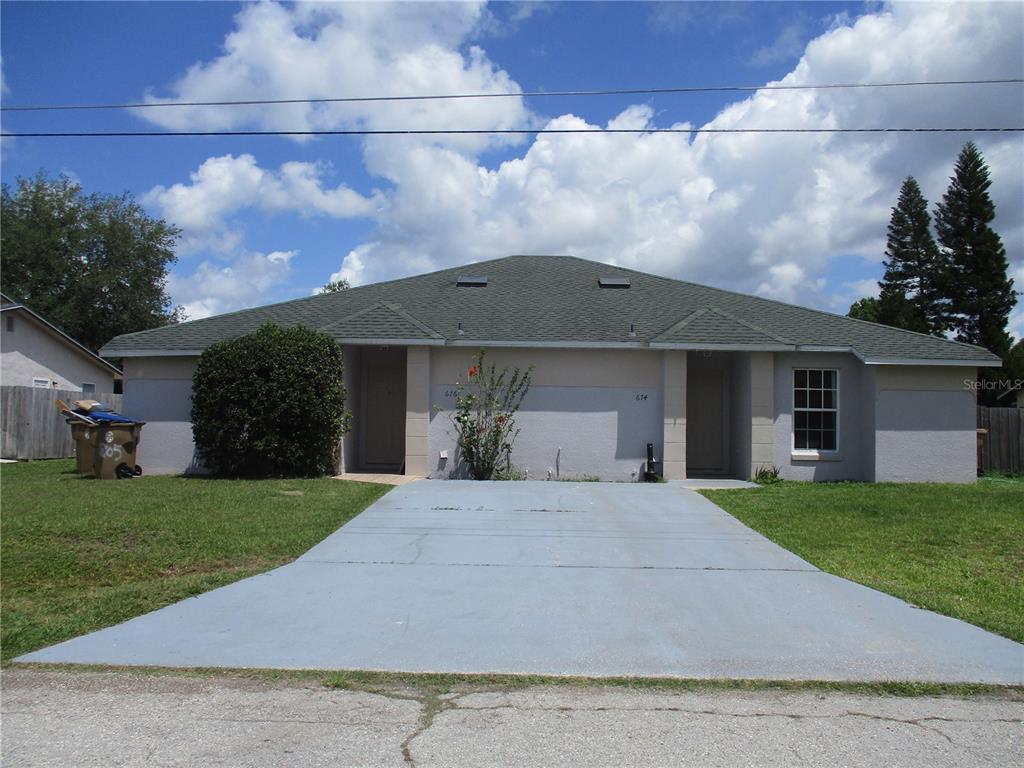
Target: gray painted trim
549	344
151	352
827	348
925	361
725	347
594	345
439	342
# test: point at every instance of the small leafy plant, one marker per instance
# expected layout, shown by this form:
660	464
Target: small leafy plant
767	474
484	418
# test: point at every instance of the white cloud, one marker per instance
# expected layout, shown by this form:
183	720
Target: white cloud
752	212
222	186
344	49
212	289
352	266
787	44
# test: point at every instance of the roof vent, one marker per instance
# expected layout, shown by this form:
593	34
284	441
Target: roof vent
613	282
471	281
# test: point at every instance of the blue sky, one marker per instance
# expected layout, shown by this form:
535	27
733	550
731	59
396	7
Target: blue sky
800	218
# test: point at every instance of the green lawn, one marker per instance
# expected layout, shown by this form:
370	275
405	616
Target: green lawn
954	549
79	554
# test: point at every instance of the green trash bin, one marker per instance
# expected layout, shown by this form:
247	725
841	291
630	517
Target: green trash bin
114	449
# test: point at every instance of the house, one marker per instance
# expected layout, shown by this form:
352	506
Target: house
720	383
35	353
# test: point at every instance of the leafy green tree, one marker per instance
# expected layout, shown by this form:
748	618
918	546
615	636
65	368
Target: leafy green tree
980	293
911	292
270	404
336	286
864	309
94	265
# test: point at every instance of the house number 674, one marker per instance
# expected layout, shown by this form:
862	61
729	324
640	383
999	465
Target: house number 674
641	397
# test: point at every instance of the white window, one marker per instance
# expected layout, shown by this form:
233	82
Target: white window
88	389
44	383
815	409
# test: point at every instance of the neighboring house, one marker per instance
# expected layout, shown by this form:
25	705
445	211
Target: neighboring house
35	353
721	383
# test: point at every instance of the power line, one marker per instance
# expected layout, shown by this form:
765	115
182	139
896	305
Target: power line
499	131
521	94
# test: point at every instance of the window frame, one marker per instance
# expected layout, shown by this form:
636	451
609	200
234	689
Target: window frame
813	452
40	383
88	391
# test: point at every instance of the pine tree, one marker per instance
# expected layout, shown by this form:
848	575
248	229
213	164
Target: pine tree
980	293
911	296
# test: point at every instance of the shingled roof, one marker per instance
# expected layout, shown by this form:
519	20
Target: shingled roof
558	301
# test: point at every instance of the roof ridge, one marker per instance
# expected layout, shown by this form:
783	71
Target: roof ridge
397	309
394	309
391	307
680	324
751	326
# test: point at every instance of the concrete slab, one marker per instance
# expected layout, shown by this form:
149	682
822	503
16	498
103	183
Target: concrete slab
554	578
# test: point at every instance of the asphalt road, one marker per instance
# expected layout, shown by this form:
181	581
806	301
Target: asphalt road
595	579
84	719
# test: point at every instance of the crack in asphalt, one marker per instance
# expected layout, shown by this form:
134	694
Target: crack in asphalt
432	705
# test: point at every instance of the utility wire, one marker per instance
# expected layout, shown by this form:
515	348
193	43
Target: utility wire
480	131
522	94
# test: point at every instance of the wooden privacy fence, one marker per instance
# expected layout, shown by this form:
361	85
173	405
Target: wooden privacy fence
1002	448
32	428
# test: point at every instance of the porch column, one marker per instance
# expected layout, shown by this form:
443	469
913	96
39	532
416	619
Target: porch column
762	410
674	386
417	409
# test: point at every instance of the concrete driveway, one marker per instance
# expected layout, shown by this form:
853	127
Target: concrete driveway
554	578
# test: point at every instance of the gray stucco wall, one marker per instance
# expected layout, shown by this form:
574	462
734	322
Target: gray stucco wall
848	462
925	419
158	391
588	411
31	351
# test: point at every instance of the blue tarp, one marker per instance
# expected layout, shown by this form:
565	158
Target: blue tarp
108	417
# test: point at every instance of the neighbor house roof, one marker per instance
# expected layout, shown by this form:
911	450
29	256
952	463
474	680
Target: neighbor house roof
559	301
9	305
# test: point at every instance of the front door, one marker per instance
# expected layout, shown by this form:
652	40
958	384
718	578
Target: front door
383	408
705	427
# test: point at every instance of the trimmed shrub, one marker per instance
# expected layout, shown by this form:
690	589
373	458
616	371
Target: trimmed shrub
270	404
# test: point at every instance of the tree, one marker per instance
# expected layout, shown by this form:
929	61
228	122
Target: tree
94	265
336	286
864	309
271	403
911	292
980	293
